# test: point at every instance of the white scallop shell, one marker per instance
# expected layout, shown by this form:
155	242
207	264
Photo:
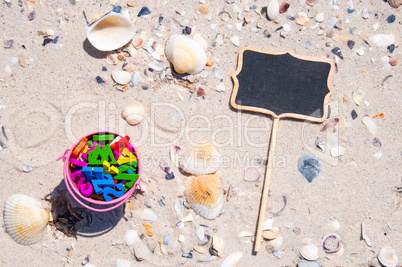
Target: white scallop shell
133	113
388	257
204	195
309	252
202	159
121	77
110	32
25	219
186	55
273	10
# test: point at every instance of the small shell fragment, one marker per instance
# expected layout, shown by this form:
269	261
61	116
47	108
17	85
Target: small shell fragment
302	19
358	96
337	151
366	238
232	260
121	77
370	124
217	246
331	243
271	234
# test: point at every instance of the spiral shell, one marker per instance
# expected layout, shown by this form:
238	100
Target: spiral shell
204	194
186	55
25	219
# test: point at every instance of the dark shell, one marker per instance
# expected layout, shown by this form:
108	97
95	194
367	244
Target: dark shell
351	44
309	167
337	51
390	19
144	11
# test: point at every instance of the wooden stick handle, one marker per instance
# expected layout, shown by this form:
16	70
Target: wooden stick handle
272	145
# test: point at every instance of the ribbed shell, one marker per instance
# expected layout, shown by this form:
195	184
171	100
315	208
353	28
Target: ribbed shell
204	194
25	219
202	159
110	32
186	55
395	3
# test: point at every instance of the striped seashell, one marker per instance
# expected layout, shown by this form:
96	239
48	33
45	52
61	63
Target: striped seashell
202	159
110	32
25	219
185	54
395	3
204	195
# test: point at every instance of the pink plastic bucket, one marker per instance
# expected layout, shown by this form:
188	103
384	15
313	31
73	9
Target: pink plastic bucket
74	191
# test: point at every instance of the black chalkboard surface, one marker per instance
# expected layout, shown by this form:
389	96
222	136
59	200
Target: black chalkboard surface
282	85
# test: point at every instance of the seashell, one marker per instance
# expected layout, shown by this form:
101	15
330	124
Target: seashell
121	77
395	3
133	113
201	41
138	41
285	30
244	234
175	155
157	66
366	238
202	159
110	32
358	96
268	224
370	124
131	237
337	151
136	78
309	252
331	243
141	252
308	264
311	2
185	54
382	40
388	257
273	10
271	234
232	260
217	246
319	17
302	19
284	7
25	219
201	249
309	166
204	195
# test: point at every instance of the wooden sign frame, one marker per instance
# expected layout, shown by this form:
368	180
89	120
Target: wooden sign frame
276	117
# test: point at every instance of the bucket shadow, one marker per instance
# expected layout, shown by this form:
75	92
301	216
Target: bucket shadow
74	220
92	51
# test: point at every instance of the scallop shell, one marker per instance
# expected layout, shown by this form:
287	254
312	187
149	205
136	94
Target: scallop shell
204	195
133	113
110	32
388	257
273	10
25	219
202	159
395	3
186	55
309	252
121	77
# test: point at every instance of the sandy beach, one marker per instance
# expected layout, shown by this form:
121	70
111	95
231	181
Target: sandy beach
50	97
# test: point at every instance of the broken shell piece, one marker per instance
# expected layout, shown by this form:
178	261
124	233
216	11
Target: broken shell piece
302	19
217	246
309	252
121	77
366	238
186	55
268	224
395	3
141	252
358	96
204	158
285	30
138	41
232	260
251	174
311	2
388	257
273	10
111	59
25	219
331	243
201	249
133	113
337	151
244	234
271	234
201	41
383	39
320	144
319	17
370	124
110	32
157	66
204	195
175	154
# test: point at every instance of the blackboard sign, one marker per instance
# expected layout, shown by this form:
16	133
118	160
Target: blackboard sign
282	84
